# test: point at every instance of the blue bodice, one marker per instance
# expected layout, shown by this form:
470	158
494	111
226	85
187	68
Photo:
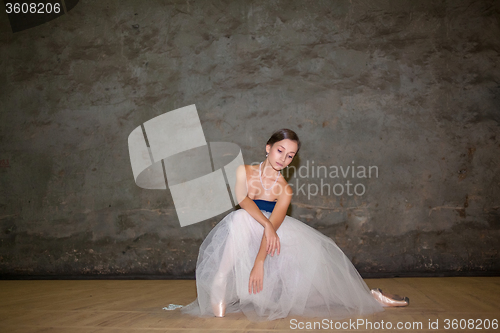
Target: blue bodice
265	205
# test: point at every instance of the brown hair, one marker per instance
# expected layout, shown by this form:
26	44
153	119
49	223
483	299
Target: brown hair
283	134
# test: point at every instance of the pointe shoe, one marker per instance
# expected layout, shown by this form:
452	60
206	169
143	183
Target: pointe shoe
389	299
219	309
217	296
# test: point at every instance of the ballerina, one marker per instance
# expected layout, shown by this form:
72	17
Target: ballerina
269	265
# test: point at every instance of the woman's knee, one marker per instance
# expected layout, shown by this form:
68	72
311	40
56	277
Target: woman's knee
240	213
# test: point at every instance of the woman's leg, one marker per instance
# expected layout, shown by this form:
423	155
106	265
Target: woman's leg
219	285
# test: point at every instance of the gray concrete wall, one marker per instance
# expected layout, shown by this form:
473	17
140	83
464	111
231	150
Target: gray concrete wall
411	87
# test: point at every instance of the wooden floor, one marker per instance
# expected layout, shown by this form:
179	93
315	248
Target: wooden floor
112	306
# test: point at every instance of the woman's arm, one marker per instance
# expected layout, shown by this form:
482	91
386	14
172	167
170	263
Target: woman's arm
277	217
272	239
244	201
256	281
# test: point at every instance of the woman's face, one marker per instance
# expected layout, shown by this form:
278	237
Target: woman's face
281	153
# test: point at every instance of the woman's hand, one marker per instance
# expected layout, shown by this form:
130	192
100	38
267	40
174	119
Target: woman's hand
256	282
273	241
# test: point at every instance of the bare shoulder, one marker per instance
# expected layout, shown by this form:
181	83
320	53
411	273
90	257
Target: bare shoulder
241	170
251	170
245	168
287	190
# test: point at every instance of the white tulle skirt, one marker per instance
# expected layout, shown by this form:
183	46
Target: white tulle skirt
311	277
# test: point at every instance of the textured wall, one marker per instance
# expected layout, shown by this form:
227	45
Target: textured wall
411	87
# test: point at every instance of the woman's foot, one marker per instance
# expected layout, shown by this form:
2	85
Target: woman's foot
389	299
218	293
219	309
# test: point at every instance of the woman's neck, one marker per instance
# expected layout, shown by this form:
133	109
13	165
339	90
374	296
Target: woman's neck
268	171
